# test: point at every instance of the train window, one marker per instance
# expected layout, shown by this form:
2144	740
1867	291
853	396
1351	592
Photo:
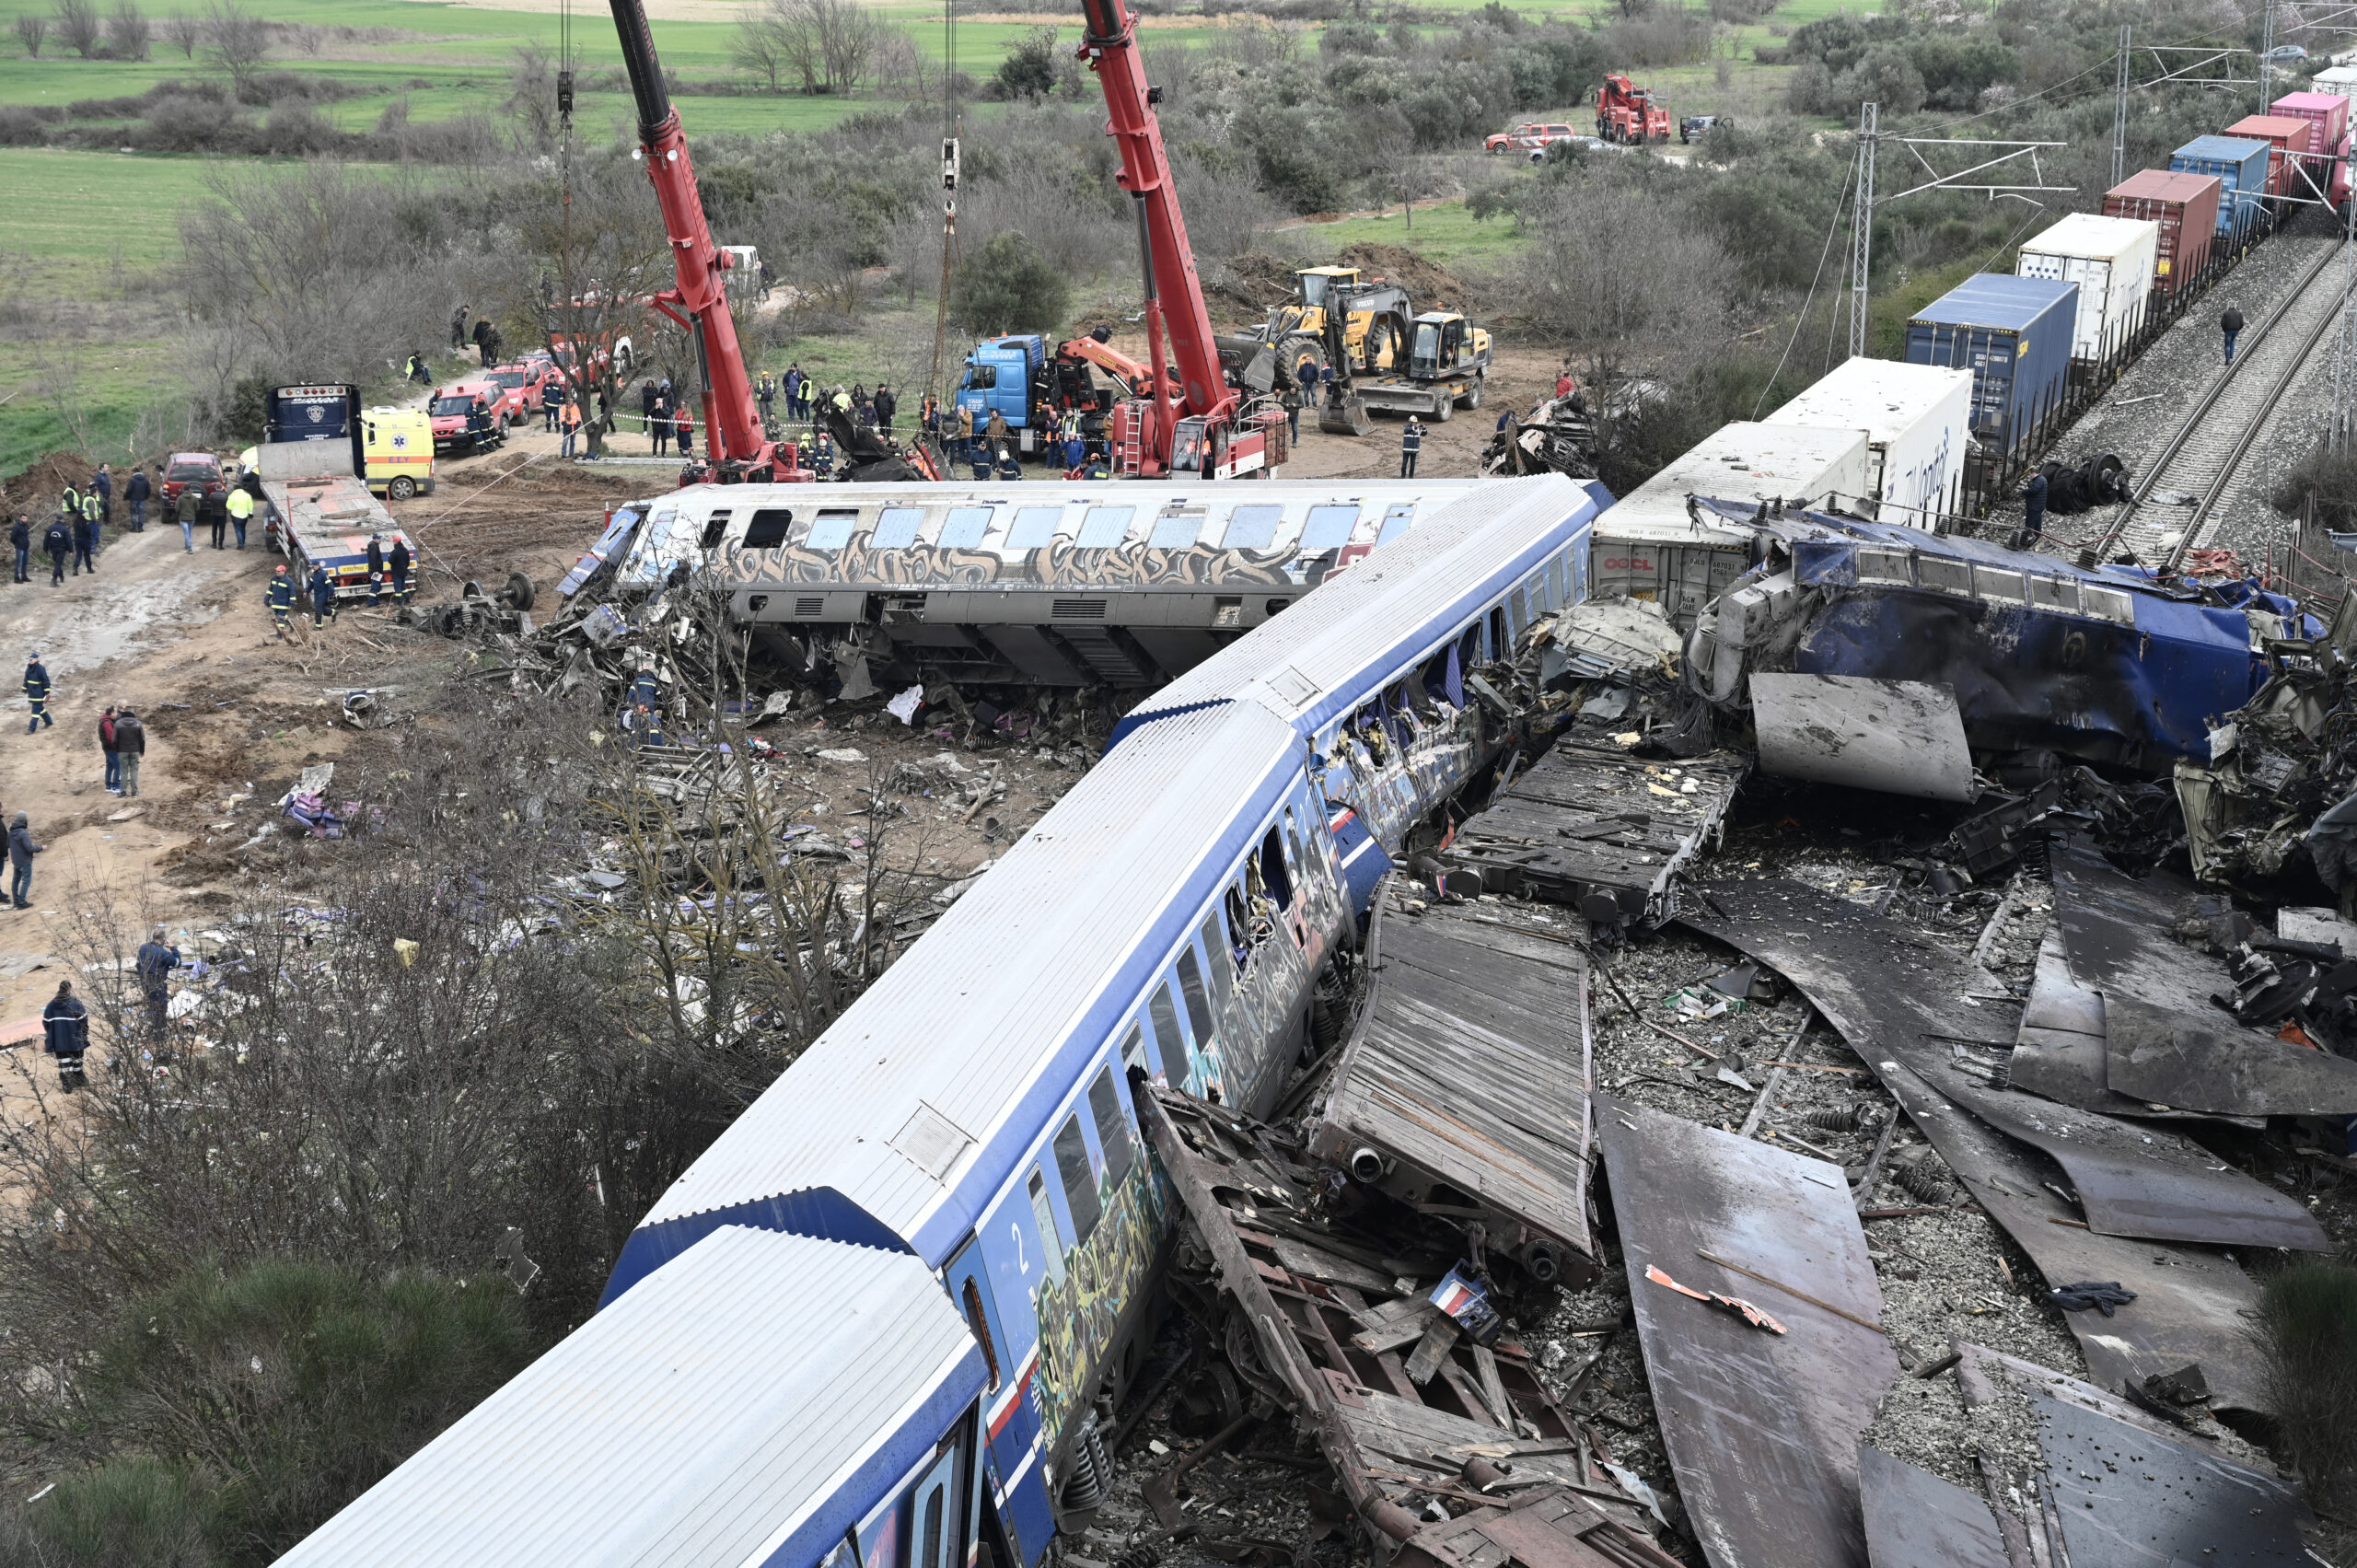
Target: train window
1252	528
1221	955
1105	527
965	528
1112	1132
1272	871
1167	1036
1035	527
1133	1051
930	1534
1294	860
832	528
1239	925
1177	531
713	527
768	529
1396	522
896	528
980	1321
1080	1180
1329	528
1044	1214
1500	643
1199	1005
2054	593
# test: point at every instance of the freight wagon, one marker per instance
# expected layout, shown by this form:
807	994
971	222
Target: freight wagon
2014	335
2241	168
1918	423
2186	208
2111	260
2287	140
2328	114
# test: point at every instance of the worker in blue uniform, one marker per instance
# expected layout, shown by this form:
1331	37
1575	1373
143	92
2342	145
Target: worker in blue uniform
37	694
281	600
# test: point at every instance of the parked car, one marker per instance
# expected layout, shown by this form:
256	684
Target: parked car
1694	127
466	417
519	383
199	468
2287	54
1530	140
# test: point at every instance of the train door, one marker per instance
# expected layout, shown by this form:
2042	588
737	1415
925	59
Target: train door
936	1526
1008	1425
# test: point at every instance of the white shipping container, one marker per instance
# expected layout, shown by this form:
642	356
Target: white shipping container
2111	260
1917	419
1647	546
2340	81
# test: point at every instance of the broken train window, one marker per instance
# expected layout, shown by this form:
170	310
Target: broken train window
1273	875
1080	1180
1176	1067
1044	1214
1220	956
1199	1005
1112	1128
978	1320
768	529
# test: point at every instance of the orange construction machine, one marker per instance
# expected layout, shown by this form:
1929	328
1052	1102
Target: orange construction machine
1626	112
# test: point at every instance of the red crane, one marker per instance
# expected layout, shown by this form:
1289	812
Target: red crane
1201	433
738	450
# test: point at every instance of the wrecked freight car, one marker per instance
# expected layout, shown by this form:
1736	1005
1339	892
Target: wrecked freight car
1893	660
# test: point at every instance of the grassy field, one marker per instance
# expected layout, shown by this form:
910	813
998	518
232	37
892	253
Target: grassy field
1443	232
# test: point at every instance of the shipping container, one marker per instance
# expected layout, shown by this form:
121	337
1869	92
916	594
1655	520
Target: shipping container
2286	138
2241	168
1918	422
2111	260
2328	114
2186	208
2013	335
1648	546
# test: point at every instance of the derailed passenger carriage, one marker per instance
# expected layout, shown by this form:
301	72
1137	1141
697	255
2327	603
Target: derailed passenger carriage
1065	585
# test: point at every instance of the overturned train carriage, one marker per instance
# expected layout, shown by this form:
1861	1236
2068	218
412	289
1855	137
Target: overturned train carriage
1067	585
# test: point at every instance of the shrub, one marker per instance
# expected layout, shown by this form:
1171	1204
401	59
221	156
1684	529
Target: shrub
130	1511
1029	68
2307	1330
19	128
1007	286
1883	75
1810	89
2331	480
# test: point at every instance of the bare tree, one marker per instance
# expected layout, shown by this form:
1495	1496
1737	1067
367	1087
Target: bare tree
531	98
849	36
128	31
183	32
238	41
77	26
756	46
31	27
829	45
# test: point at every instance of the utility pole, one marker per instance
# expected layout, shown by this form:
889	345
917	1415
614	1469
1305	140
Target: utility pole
1863	243
2265	56
2344	367
2119	115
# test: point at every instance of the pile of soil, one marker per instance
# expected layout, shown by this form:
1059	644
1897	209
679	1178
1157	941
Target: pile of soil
1255	281
1429	284
35	491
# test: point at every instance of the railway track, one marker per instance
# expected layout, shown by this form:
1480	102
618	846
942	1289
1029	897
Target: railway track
2176	507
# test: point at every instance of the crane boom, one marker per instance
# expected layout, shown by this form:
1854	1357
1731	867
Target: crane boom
740	448
1110	48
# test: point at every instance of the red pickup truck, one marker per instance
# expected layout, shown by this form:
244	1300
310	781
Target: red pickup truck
199	468
466	416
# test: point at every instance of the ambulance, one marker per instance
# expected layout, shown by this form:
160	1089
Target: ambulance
399	447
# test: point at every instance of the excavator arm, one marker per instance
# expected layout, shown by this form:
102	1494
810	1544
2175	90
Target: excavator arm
699	299
1136	379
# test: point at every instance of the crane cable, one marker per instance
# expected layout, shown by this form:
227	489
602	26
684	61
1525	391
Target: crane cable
951	129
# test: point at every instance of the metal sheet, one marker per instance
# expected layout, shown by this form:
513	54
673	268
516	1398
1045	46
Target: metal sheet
2166	1042
2060	1052
1916	1520
2131	1499
1761	1429
1899	736
1894	993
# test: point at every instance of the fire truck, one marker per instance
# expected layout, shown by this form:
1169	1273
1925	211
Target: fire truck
1628	113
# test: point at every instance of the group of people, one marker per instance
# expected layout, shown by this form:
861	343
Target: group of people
65	1022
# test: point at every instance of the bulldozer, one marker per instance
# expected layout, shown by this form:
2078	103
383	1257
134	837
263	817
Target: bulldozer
1383	353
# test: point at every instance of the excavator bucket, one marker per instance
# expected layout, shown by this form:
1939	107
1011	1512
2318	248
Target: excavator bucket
1260	370
1345	416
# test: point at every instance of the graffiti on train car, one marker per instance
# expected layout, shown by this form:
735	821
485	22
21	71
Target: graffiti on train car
1080	1312
1063	563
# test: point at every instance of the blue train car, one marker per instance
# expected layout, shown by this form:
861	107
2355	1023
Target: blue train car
2014	335
2241	168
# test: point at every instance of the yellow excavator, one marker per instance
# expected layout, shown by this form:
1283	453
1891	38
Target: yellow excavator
1383	353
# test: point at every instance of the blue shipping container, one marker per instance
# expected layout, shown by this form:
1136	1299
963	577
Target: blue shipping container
2241	168
2013	335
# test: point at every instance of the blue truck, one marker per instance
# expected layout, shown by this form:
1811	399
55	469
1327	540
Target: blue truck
1003	376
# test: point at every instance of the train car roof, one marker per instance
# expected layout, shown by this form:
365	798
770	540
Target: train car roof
751	1403
899	1122
1358	632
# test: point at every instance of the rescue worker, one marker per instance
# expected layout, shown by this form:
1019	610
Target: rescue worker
552	395
2231	324
1290	401
793	381
961	434
572	420
21	850
215	511
85	543
94	515
184	511
822	454
106	745
397	563
281	600
413	368
102	482
37	694
1563	383
58	542
375	567
156	962
66	1028
2034	508
240	506
458	328
766	393
70	503
131	745
994	438
646	728
1411	442
135	490
887	405
322	596
1097	468
1069	427
684	427
20	536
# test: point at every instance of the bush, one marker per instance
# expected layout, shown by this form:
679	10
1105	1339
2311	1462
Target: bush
1029	68
1810	88
1007	286
2307	1330
130	1514
19	128
1883	75
2330	479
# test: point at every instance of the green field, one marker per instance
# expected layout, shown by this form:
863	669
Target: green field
1443	232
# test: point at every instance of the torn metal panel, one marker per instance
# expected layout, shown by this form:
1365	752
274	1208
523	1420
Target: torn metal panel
2191	1304
1898	737
1604	832
2060	1052
1761	1428
1397	1445
2166	1042
1463	1091
2129	1497
1916	1520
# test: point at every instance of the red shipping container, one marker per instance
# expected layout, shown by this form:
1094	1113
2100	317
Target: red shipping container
2328	112
2288	137
2185	205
